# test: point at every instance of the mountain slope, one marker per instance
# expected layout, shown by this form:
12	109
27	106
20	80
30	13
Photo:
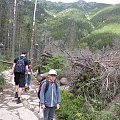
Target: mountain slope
69	22
107	15
103	37
81	4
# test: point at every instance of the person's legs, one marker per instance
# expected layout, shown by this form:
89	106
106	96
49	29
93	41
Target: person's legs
46	113
16	80
26	82
51	113
19	95
21	85
19	92
16	91
29	79
16	88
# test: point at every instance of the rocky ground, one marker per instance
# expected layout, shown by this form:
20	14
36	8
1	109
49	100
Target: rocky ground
27	110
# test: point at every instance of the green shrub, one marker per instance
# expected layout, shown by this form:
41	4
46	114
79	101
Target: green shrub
55	62
100	115
117	109
72	109
4	66
71	106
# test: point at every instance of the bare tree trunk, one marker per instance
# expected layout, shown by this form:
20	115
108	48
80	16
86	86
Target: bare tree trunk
21	41
14	29
10	26
32	37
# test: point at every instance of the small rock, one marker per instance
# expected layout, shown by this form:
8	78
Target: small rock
63	81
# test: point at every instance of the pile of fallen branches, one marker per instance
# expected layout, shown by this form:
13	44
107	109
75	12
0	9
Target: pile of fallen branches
96	78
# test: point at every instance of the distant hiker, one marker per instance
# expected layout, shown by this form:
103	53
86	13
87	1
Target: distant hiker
28	79
38	74
50	96
19	68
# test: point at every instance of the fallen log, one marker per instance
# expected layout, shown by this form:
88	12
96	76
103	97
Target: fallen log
41	77
6	62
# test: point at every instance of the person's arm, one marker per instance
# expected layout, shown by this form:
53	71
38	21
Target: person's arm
26	72
12	71
26	67
13	67
32	70
42	95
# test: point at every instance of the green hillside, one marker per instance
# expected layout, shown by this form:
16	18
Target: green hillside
61	24
112	28
92	24
102	37
107	15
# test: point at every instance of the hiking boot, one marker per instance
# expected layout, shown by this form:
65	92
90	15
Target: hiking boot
27	88
16	95
19	101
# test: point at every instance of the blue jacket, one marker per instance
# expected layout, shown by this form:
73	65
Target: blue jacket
52	97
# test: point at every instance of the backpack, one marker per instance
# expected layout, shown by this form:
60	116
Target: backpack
20	65
46	87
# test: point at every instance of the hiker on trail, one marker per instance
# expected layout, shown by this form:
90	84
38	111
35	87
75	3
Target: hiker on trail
28	79
50	98
19	68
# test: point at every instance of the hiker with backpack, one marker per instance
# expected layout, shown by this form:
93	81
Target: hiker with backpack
50	96
19	68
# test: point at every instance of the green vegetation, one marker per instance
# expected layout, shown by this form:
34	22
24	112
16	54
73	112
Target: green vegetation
2	81
107	15
102	37
67	21
74	14
117	108
110	28
73	22
55	62
2	68
73	108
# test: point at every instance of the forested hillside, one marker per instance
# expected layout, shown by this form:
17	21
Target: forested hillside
106	28
80	40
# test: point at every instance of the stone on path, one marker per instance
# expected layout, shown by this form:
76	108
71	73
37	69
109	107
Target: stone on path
26	114
8	115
